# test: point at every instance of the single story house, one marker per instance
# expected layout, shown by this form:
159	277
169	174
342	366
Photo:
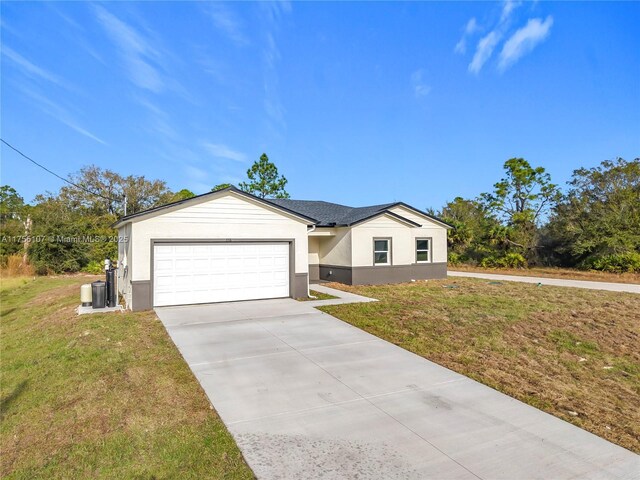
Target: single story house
230	245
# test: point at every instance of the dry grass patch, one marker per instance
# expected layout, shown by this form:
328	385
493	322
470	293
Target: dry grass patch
100	396
562	273
574	353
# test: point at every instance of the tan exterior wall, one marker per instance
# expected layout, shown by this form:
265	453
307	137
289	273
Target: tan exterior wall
314	250
226	217
336	250
403	243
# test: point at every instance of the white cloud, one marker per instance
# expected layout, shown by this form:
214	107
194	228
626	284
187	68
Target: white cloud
507	9
524	41
420	87
488	43
219	150
137	52
226	20
471	28
59	113
273	12
484	50
32	70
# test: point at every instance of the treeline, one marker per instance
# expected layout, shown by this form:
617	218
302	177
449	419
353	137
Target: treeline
526	220
70	231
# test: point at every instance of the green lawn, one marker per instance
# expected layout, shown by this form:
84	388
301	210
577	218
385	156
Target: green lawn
317	295
100	396
574	353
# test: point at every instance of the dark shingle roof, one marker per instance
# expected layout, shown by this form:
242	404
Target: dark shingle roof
330	214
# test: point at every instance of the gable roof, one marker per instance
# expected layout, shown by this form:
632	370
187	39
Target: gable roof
336	215
144	213
319	213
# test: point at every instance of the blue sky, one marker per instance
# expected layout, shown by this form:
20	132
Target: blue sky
356	103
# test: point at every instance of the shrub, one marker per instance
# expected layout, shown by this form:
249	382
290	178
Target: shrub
94	267
489	262
615	263
508	260
513	260
454	259
15	267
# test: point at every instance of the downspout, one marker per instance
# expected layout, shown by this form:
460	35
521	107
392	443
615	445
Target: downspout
312	229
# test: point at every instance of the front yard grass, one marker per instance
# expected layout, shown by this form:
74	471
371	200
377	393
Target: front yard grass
571	352
100	396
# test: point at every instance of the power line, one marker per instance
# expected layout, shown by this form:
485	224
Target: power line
56	175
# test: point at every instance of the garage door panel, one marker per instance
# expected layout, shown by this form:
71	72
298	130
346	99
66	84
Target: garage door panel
207	273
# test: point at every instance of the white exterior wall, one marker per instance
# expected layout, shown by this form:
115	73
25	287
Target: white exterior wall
336	250
226	217
403	243
124	262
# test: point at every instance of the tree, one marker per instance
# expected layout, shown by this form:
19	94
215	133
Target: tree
182	195
221	186
521	200
600	215
264	180
74	226
14	223
11	204
57	230
470	222
112	187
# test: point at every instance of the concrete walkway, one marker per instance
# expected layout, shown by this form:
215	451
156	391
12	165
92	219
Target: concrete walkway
308	396
558	282
343	297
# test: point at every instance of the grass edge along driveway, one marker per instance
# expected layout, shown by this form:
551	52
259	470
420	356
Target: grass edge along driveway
571	352
100	396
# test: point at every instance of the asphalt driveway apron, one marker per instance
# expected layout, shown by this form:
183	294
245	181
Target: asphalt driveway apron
308	396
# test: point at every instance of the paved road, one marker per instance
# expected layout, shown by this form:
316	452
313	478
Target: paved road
308	396
559	282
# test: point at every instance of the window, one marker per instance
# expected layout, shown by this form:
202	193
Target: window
423	250
381	252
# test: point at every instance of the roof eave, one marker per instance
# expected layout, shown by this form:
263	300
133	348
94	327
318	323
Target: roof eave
384	212
436	219
129	218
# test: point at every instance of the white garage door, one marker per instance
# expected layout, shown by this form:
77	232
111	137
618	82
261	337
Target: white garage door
219	272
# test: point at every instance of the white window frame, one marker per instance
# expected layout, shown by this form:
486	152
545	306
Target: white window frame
387	251
428	250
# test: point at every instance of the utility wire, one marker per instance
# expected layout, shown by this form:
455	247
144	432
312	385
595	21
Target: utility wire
56	175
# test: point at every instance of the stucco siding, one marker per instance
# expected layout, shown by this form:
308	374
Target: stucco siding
314	250
403	241
415	217
336	250
227	217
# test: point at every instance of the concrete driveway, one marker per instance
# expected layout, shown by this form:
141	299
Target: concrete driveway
308	396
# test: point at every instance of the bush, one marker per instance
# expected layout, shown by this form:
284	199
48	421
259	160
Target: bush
513	260
16	267
628	262
508	260
454	259
94	267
